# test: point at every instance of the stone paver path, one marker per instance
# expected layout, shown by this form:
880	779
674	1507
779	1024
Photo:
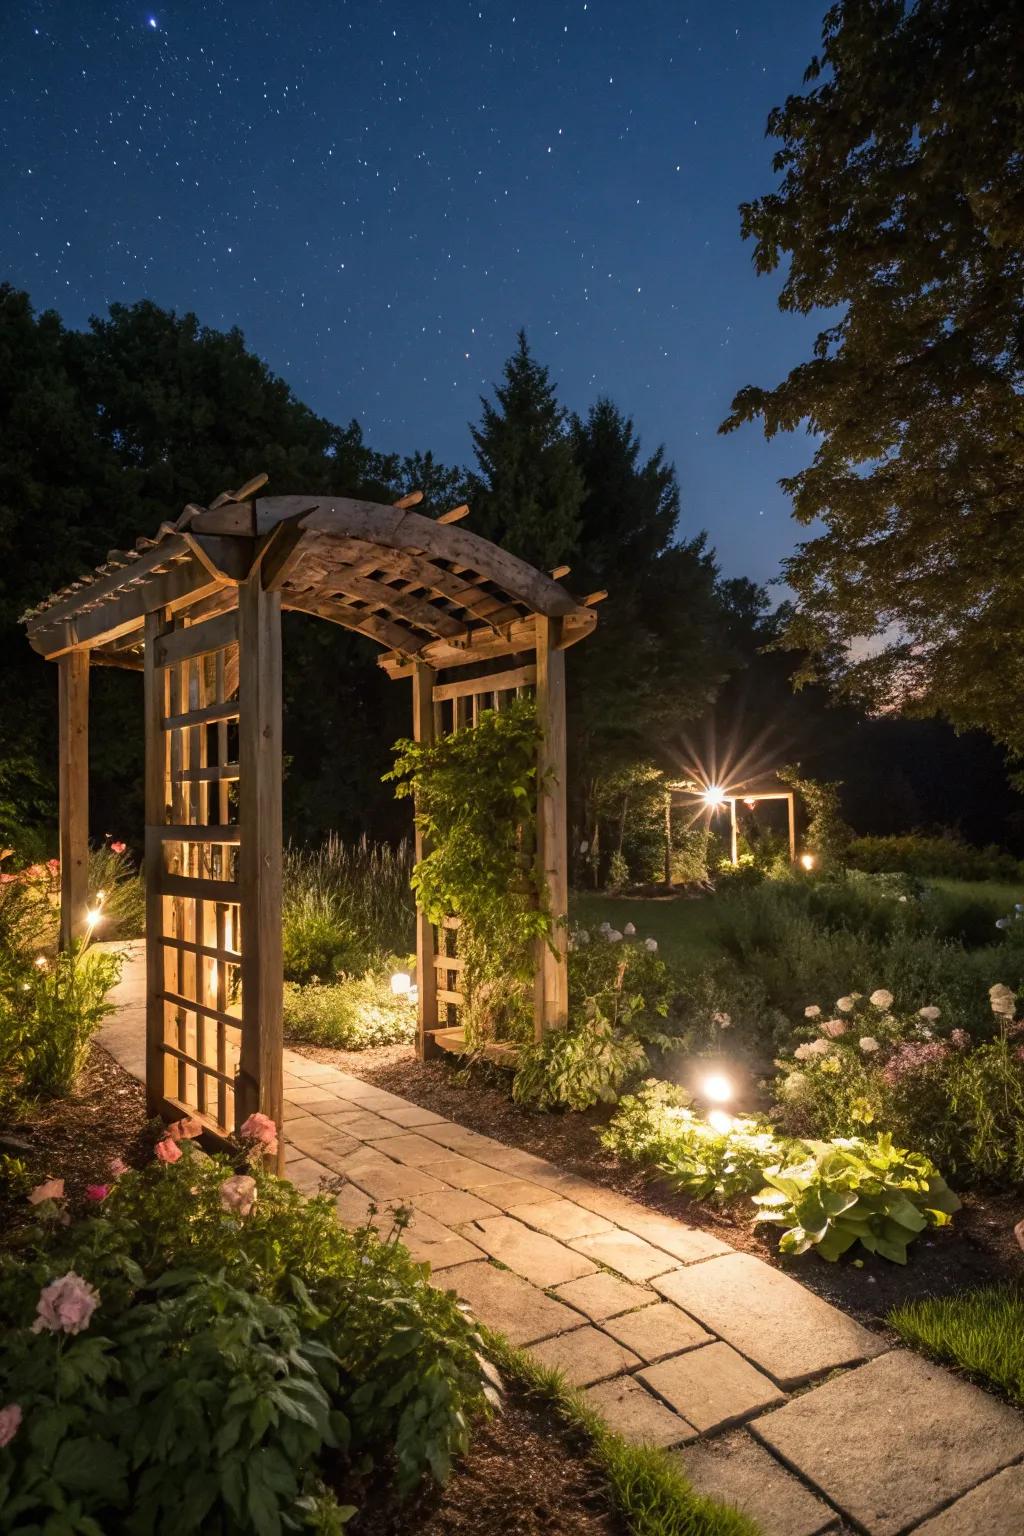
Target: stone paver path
771	1398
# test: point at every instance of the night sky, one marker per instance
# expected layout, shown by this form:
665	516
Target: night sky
380	192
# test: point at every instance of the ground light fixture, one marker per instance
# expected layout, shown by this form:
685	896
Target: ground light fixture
401	983
720	1120
716	1087
807	860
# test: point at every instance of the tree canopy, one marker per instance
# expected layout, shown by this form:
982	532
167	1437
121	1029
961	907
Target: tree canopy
899	213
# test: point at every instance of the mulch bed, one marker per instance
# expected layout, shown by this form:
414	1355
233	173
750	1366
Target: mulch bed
526	1474
978	1249
75	1138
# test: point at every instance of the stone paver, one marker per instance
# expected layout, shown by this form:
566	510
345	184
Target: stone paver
584	1356
454	1206
773	1320
655	1332
508	1304
996	1508
509	1193
635	1414
412	1115
463	1172
530	1254
687	1244
561	1218
712	1387
736	1470
404	1147
385	1180
894	1441
626	1253
602	1295
357	1122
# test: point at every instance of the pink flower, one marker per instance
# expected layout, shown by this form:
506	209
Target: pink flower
52	1189
262	1129
66	1305
834	1028
167	1151
118	1166
97	1192
6	879
34	872
10	1420
238	1194
960	1038
118	847
185	1130
53	865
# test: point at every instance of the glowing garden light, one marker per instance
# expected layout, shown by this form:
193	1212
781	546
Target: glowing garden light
807	860
720	1120
714	796
716	1087
401	984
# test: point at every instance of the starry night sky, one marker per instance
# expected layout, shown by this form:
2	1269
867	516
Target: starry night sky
379	192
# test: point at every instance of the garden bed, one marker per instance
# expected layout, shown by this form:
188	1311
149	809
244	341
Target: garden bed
977	1249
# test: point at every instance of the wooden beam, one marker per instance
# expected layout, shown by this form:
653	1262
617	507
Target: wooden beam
73	688
423	679
260	1084
493	682
157	804
227	559
401	606
455	515
382	630
551	993
176	645
484	645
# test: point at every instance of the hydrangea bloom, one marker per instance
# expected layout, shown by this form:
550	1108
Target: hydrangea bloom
868	1044
931	1013
812	1011
50	1189
834	1028
66	1305
1004	1002
261	1128
167	1150
651	945
846	1004
238	1194
912	1056
881	999
812	1048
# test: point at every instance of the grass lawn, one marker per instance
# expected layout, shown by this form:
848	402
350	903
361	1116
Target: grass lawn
684	928
999	895
980	1331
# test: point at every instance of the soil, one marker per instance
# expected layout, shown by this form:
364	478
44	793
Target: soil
75	1138
978	1249
526	1474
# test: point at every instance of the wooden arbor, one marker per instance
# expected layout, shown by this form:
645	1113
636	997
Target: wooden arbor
750	793
197	610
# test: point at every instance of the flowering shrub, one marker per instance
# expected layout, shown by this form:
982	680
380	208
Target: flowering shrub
960	1100
354	1012
832	1195
182	1358
49	1011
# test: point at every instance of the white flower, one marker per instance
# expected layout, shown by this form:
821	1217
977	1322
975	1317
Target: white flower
931	1013
868	1044
613	936
1002	922
812	1048
651	945
629	930
722	1020
845	1005
903	898
812	1012
605	927
1004	1002
881	999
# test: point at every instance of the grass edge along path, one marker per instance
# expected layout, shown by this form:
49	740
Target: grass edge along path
646	1488
981	1332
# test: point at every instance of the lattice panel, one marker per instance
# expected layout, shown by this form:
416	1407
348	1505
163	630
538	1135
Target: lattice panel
457	706
193	856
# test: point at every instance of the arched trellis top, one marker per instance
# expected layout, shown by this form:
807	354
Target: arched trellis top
198	610
425	590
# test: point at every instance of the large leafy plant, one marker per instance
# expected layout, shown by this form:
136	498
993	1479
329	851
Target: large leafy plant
832	1195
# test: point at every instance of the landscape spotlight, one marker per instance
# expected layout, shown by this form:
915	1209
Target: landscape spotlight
807	860
400	983
717	1088
714	796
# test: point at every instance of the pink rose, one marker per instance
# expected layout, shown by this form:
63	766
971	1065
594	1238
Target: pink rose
97	1192
10	1420
118	1166
185	1130
66	1305
238	1194
53	865
167	1151
118	847
262	1129
52	1189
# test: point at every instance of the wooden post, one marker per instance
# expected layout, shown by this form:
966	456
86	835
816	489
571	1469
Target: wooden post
157	789
260	1084
551	993
791	806
73	686
733	854
423	724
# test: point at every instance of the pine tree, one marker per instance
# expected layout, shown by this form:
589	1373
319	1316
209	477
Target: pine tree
528	492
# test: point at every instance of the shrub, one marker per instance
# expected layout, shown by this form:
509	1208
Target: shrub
835	1194
49	1017
112	872
827	835
618	872
353	1013
931	856
657	1129
981	1331
346	906
316	939
209	1348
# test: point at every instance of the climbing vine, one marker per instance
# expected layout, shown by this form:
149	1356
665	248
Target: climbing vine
476	801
